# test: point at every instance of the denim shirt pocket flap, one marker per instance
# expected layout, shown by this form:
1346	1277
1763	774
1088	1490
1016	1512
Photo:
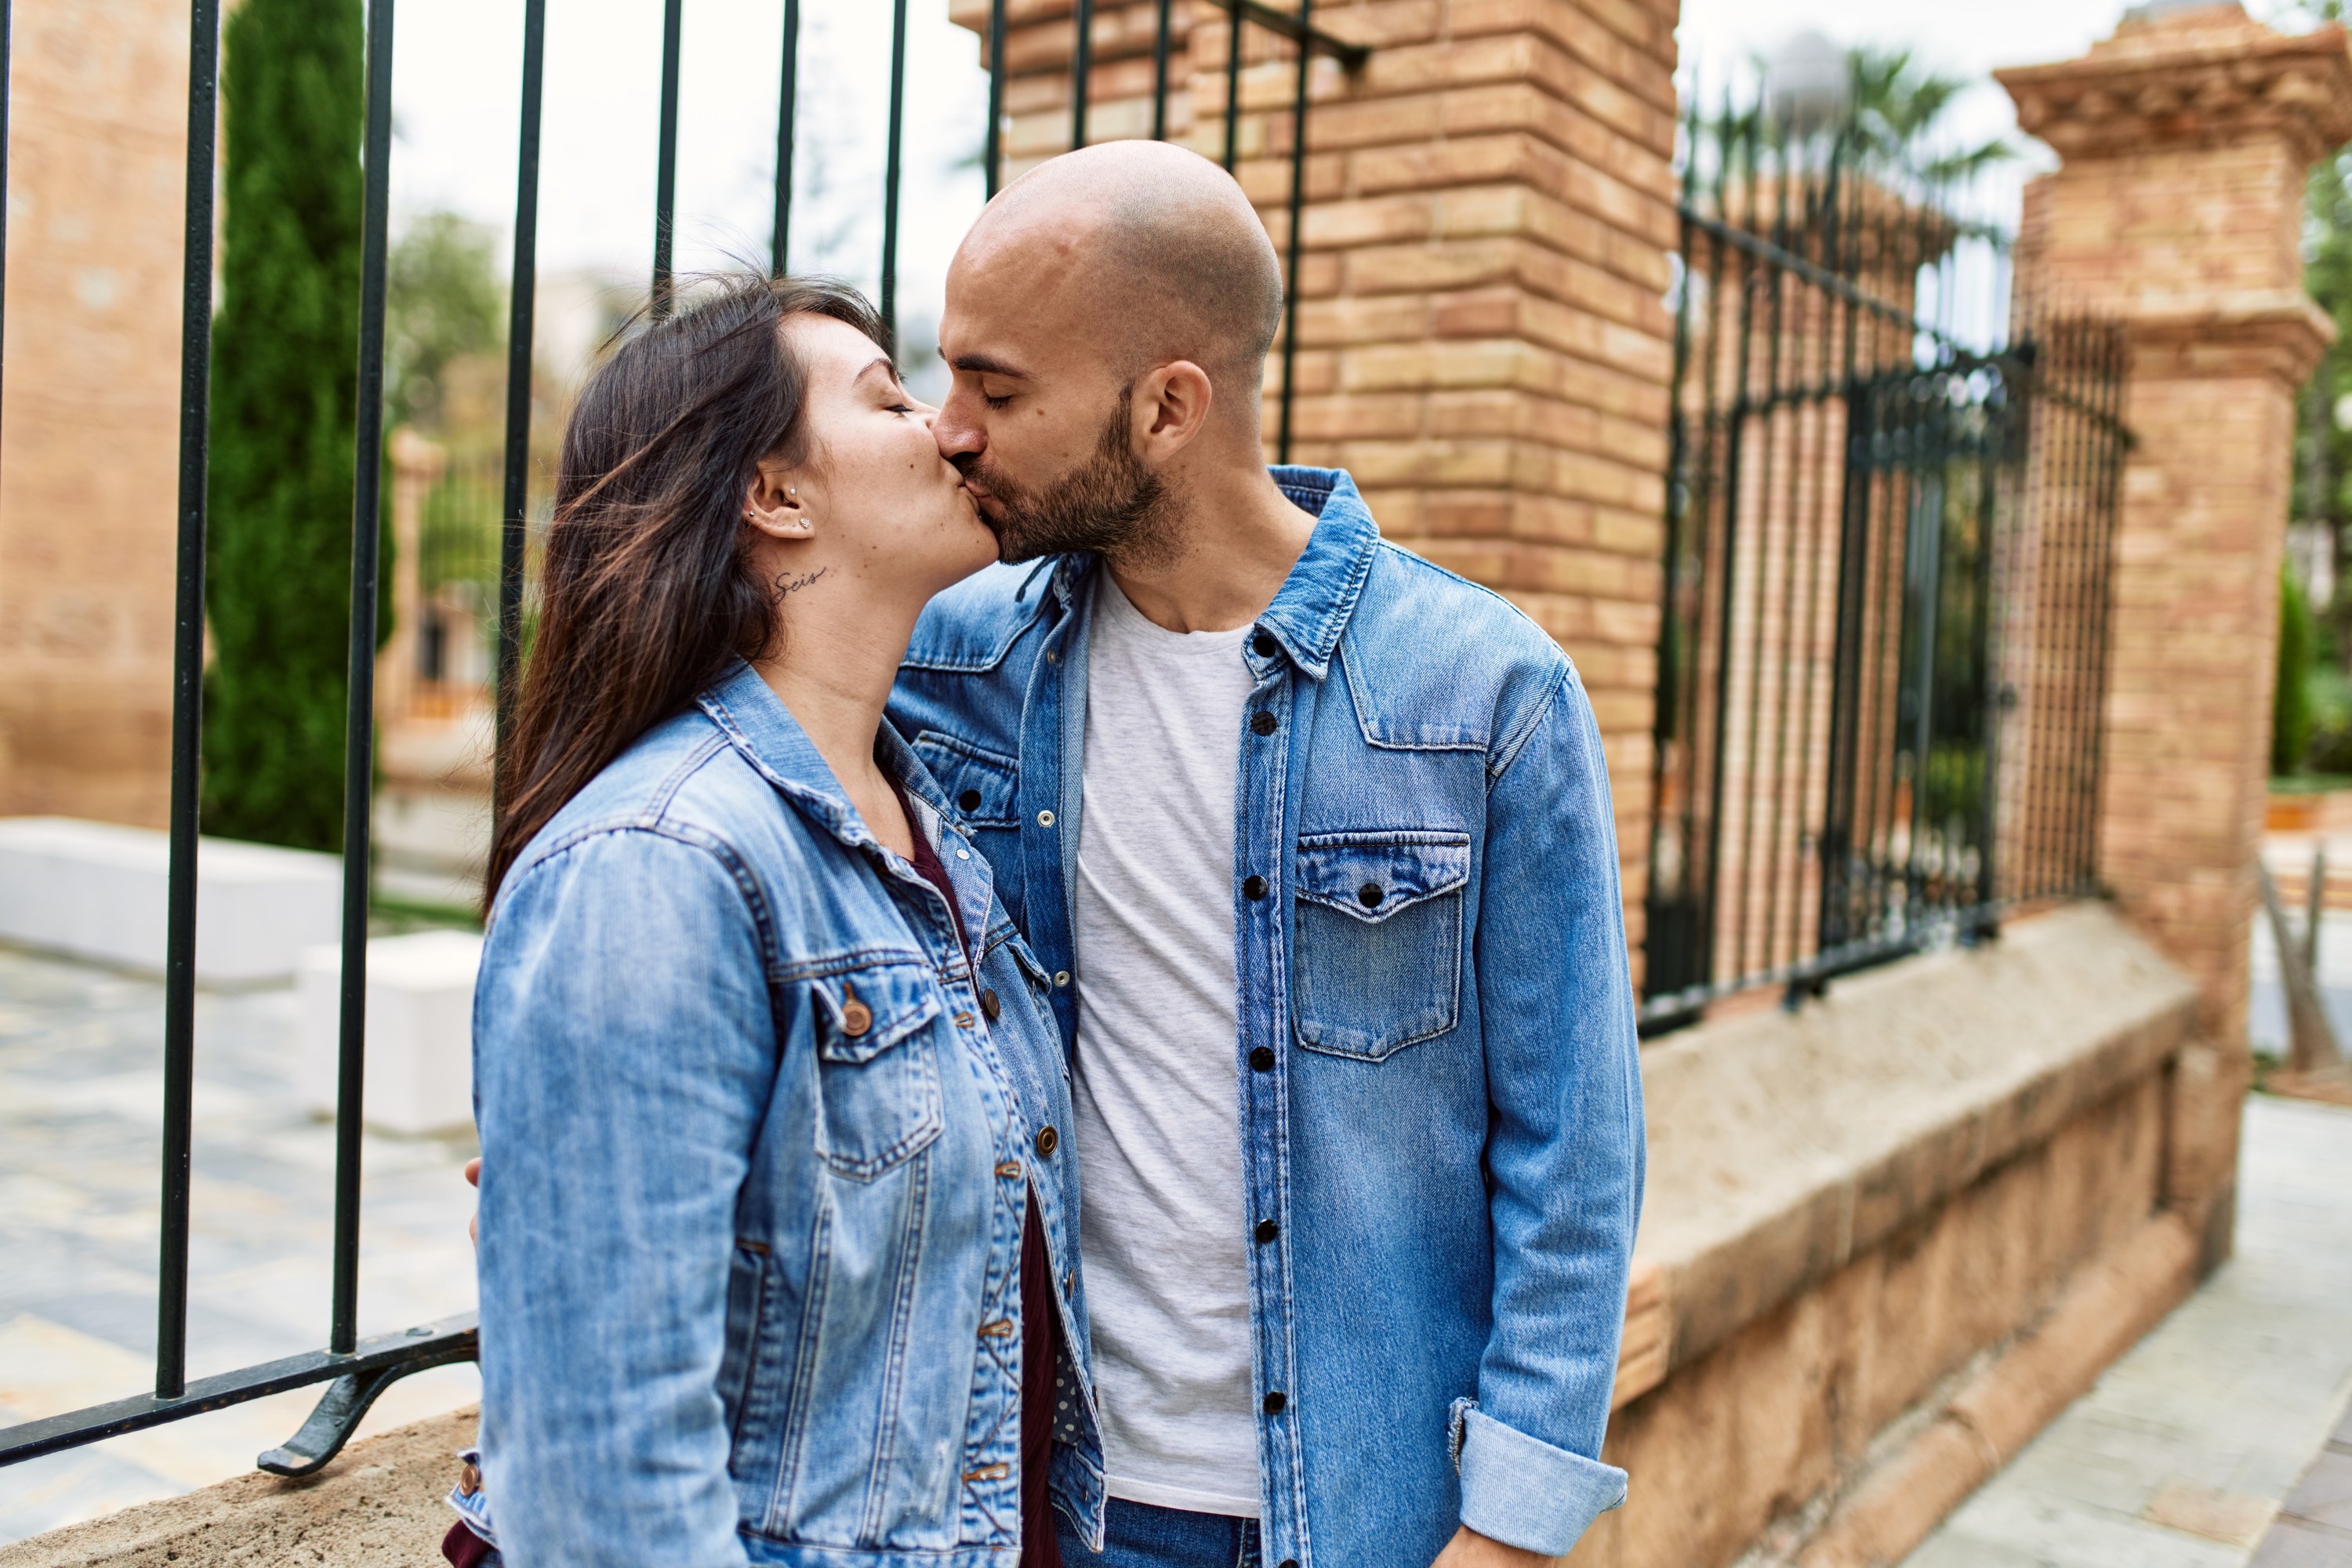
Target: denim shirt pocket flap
867	1011
1376	954
1372	877
979	783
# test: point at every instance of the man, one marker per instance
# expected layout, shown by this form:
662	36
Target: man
1314	841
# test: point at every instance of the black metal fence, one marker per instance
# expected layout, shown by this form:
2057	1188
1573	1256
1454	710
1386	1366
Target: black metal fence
357	1370
1891	500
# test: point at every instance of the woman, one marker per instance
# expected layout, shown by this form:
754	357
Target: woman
775	1198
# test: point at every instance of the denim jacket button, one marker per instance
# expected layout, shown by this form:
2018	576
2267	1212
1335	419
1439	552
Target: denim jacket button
1274	1401
1044	819
1266	1231
1262	1058
969	800
1261	722
990	1006
1253	886
1061	977
1263	646
1047	1141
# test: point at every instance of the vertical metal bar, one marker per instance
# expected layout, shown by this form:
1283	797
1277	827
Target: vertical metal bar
2102	556
1778	277
1659	930
187	694
1082	69
1710	552
1990	451
787	102
1828	467
523	289
891	173
994	150
1297	208
1160	73
359	731
1233	84
665	162
1726	591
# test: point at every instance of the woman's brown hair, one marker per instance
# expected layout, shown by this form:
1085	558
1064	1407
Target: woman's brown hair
646	589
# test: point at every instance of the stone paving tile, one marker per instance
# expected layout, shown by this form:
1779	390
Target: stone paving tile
81	1115
2189	1443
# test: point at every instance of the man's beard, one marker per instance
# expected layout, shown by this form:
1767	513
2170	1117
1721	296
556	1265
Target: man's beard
1109	504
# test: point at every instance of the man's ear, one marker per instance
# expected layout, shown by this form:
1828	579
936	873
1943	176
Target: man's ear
1172	407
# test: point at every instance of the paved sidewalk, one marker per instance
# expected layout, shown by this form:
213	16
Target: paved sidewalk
2181	1455
81	1113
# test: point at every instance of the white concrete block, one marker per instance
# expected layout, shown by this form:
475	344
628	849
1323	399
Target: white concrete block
97	891
420	1030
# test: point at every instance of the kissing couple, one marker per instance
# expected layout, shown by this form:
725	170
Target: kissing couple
1050	998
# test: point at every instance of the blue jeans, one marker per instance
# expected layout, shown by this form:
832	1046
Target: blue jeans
1137	1535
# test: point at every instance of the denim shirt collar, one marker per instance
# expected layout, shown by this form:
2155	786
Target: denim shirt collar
757	723
1313	605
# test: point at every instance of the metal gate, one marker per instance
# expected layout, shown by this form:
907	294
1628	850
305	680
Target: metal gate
1882	653
356	1370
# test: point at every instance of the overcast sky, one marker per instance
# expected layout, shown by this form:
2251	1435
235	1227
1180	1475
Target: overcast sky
458	65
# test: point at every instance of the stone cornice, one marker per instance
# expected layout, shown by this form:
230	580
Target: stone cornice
2278	334
2196	78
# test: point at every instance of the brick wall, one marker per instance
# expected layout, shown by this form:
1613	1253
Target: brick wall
1483	336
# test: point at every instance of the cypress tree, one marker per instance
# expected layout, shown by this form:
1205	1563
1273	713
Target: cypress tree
284	395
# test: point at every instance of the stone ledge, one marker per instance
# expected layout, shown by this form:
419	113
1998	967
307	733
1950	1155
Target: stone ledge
1784	1145
377	1506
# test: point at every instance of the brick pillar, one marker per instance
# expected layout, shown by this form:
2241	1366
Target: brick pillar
2186	138
1483	338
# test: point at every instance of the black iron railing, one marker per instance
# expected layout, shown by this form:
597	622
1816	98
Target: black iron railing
356	1370
1891	497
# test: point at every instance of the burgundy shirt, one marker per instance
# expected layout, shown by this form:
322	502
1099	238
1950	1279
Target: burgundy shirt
1041	1331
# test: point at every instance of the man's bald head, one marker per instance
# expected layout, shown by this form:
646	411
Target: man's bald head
1151	252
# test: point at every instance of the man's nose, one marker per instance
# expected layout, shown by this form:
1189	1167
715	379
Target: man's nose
955	428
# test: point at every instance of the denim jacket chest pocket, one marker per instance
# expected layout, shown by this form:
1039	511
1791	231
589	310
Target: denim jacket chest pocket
877	1070
1377	949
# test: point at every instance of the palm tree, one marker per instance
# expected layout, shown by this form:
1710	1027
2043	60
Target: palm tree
1894	104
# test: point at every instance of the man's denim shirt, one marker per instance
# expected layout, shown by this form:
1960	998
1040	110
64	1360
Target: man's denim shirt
1441	1106
755	1145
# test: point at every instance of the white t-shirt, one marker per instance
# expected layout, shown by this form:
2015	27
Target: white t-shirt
1162	1233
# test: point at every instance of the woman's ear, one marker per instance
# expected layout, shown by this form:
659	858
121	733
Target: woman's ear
773	502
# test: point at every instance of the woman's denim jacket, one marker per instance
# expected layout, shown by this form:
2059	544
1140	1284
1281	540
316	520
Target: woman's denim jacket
756	1142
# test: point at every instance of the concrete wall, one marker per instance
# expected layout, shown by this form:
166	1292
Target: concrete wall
89	424
1859	1211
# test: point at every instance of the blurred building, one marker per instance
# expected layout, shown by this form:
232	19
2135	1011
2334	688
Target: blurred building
88	417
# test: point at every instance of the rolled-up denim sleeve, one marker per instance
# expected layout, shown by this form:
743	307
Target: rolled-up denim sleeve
1566	1143
618	1099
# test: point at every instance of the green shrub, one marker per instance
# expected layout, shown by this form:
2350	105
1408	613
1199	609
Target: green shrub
2298	648
284	396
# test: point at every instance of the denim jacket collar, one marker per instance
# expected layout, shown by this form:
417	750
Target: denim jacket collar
1313	605
757	723
1312	608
